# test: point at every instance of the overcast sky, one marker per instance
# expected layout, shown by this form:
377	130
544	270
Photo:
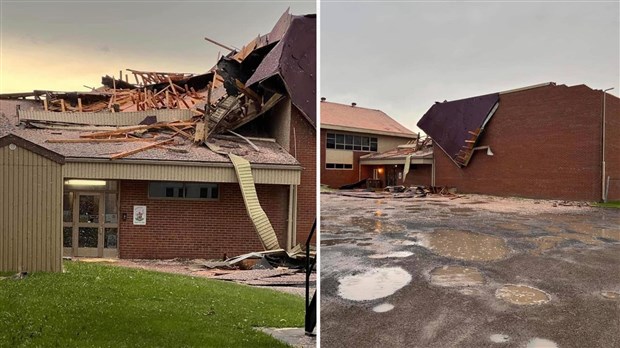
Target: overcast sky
402	57
63	45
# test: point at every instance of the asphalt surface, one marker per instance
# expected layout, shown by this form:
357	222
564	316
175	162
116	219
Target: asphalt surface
377	256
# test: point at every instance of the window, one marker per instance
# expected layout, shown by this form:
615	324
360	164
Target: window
351	142
164	189
338	166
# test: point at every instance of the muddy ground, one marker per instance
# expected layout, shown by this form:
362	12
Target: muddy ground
476	271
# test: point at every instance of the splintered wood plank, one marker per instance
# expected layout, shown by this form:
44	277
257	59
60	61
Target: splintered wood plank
140	149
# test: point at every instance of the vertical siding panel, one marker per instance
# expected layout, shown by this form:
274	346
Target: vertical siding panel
30	212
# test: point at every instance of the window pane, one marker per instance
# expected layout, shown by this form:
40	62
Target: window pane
88	237
348	147
89	208
357	147
67	237
348	140
165	189
365	141
340	146
357	140
111	209
373	147
348	166
330	165
365	148
200	191
110	238
339	165
67	207
331	143
339	139
331	136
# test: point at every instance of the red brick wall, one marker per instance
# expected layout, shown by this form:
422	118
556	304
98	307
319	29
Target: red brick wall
546	143
197	229
303	137
338	177
420	175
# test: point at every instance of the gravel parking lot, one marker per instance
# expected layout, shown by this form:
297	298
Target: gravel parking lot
475	271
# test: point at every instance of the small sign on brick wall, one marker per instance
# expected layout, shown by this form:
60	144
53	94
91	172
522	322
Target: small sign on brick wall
139	214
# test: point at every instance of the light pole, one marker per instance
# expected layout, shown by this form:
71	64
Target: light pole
603	196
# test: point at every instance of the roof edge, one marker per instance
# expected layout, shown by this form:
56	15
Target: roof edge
368	131
11	138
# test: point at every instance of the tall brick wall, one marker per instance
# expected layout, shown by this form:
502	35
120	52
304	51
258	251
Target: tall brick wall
546	143
197	229
419	174
303	139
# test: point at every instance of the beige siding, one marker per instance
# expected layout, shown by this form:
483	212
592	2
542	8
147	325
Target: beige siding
107	119
338	156
385	143
134	171
30	212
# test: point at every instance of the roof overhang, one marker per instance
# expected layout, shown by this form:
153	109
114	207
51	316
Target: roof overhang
378	162
367	131
11	138
83	168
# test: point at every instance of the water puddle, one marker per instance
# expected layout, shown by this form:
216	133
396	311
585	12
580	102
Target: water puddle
376	226
465	245
384	307
374	284
391	255
499	338
541	343
522	295
456	276
612	295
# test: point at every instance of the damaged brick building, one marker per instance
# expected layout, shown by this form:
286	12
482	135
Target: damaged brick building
543	141
174	166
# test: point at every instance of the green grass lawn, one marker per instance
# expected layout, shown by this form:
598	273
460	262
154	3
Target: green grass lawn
614	204
98	305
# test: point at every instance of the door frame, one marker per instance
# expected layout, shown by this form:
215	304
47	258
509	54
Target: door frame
75	225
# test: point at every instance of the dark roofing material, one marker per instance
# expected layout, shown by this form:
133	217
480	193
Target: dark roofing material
449	123
291	65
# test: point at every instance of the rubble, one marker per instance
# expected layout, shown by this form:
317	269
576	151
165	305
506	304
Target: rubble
179	112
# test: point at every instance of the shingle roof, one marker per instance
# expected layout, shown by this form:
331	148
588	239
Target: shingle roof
370	120
270	152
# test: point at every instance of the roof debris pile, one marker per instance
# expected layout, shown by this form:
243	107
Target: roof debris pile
191	116
243	85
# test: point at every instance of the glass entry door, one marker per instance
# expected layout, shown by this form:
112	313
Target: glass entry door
87	227
90	224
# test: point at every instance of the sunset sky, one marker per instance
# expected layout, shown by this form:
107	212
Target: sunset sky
63	45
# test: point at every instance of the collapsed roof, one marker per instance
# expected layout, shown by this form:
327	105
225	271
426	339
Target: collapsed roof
191	108
455	126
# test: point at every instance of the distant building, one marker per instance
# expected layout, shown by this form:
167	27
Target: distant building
349	132
543	141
